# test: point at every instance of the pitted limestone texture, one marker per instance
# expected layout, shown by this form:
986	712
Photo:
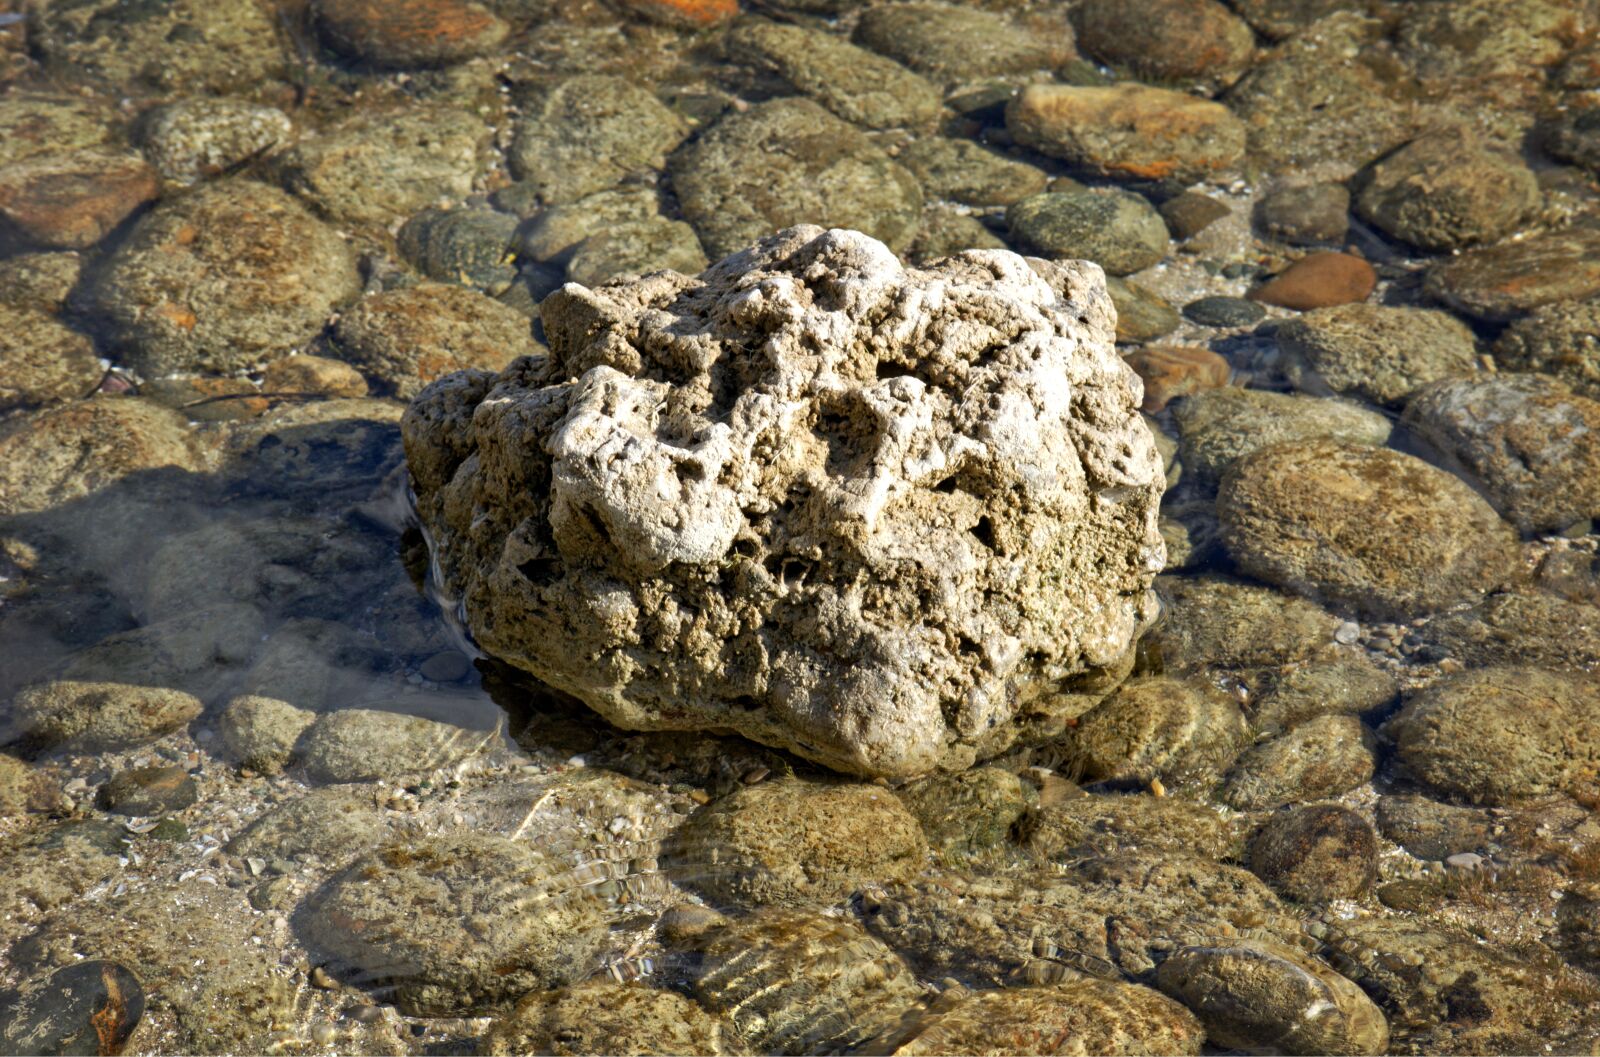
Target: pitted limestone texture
889	519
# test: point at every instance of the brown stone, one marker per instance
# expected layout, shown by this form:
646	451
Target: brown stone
72	201
1171	371
689	13
402	33
42	360
1128	130
1319	280
1167	40
1507	279
407	338
207	399
312	376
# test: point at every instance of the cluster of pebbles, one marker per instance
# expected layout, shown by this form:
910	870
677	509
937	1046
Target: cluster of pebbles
260	793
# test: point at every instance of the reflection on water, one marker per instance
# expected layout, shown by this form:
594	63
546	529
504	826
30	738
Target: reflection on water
260	791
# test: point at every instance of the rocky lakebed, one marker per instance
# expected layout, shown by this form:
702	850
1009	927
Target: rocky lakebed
800	527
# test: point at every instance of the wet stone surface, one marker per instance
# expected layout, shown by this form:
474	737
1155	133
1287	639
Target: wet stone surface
1141	595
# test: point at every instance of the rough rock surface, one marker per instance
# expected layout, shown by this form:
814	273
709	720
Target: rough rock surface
886	518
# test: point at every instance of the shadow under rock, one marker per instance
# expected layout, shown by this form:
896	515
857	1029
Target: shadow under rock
292	572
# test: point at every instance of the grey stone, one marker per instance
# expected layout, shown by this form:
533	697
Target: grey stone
1316	853
588	132
377	168
1213	621
636	249
1447	189
1258	995
1320	758
200	137
733	189
1562	340
856	84
468	247
1375	352
967	172
356	744
1498	735
1118	230
1305	214
793	843
1527	441
1218	427
260	732
81	716
458	923
953	43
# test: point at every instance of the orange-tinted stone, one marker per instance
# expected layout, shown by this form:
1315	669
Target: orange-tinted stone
690	13
402	33
1171	371
312	375
1319	280
1128	130
72	201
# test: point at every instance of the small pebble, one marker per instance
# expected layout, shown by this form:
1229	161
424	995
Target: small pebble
1319	280
1224	312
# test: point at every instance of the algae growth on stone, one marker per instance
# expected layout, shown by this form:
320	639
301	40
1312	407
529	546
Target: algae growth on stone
890	519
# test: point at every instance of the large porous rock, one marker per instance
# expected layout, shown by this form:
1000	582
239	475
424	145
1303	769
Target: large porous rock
888	519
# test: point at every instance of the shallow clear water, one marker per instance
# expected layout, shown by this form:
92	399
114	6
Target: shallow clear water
261	790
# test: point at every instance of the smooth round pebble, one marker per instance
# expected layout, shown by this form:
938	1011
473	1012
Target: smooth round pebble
602	1015
587	133
1508	279
1319	280
731	194
90	1007
261	732
1184	41
1320	758
407	338
1085	1016
223	277
1527	441
200	137
97	717
148	791
456	923
1305	214
787	842
1215	622
1182	733
396	34
355	744
1224	312
1219	427
1263	996
1118	230
1375	352
1562	340
1447	189
1316	853
1363	528
1171	371
1499	735
966	812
